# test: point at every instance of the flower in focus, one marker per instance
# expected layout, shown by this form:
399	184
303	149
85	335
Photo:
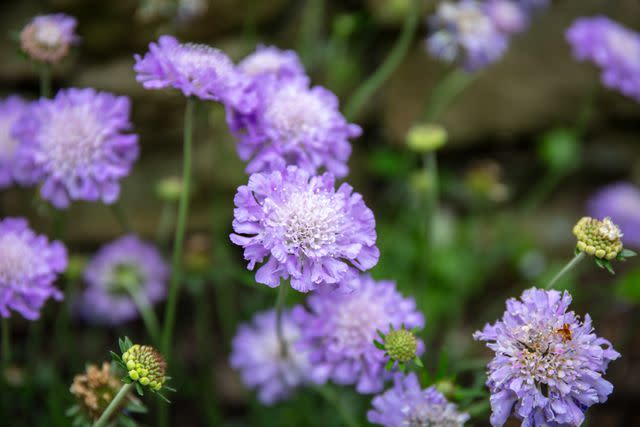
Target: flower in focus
400	346
145	366
340	330
620	202
76	145
48	38
549	365
307	230
613	48
271	61
11	109
601	239
29	265
121	269
407	404
508	16
257	354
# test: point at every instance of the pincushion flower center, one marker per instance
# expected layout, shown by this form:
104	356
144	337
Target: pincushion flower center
49	34
295	114
191	59
609	230
16	261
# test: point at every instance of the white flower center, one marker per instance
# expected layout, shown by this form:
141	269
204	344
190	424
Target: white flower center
609	230
48	34
261	63
356	322
433	415
16	261
192	60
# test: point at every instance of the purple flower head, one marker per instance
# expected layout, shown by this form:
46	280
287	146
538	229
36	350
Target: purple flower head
620	202
464	32
614	48
125	267
408	405
508	16
29	265
549	364
294	125
340	329
76	145
271	61
48	38
256	353
11	109
196	70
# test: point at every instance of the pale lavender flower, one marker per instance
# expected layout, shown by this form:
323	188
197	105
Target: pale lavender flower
125	267
308	231
256	353
621	203
76	145
271	61
48	38
339	330
508	16
11	109
29	265
549	365
614	48
408	405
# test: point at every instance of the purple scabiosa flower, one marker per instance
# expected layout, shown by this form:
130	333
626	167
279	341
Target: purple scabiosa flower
256	353
549	364
508	16
308	231
408	405
271	61
464	32
196	70
614	48
76	145
29	265
119	269
11	109
48	38
340	329
620	202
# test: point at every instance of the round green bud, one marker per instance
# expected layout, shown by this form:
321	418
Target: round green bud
560	148
169	189
601	239
424	138
145	365
401	345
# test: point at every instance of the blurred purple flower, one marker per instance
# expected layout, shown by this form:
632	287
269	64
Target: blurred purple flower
48	38
407	404
271	61
309	232
548	363
614	48
620	202
76	145
508	16
29	265
339	330
119	268
11	109
256	353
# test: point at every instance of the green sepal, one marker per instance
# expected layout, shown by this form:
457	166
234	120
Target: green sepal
576	251
137	408
402	367
378	344
127	380
124	344
418	362
73	410
626	253
380	334
117	359
139	389
605	264
389	365
163	397
171	389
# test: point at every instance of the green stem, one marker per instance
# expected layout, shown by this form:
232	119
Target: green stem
542	189
249	27
445	92
115	403
183	209
570	266
333	399
431	168
121	217
45	81
146	312
165	223
310	32
282	296
6	343
392	61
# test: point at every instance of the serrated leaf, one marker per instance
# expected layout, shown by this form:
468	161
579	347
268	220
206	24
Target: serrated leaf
139	389
418	362
378	344
389	365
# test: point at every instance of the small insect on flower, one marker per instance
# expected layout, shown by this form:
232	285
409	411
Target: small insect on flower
565	332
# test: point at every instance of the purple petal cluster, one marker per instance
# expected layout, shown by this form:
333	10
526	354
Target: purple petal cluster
48	38
76	145
29	265
306	229
407	404
621	203
269	61
340	329
549	365
613	48
11	109
119	268
257	354
509	16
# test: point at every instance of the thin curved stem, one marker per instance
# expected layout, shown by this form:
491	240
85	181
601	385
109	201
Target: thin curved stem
115	403
121	217
332	398
45	81
146	312
431	168
6	343
445	92
570	266
282	296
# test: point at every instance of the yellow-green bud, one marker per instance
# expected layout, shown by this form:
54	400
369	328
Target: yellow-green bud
401	345
169	189
601	239
424	138
145	365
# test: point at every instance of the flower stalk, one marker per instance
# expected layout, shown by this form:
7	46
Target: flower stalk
115	403
570	266
282	296
6	343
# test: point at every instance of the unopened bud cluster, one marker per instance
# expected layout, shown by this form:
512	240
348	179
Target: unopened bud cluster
401	345
601	239
145	365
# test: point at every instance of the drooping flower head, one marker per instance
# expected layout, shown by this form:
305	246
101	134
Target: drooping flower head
120	269
613	48
549	365
508	16
340	329
271	61
620	202
257	354
11	109
48	38
408	405
196	70
464	32
29	266
76	146
307	231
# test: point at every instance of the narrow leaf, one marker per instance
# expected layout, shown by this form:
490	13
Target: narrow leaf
389	365
418	362
139	389
378	344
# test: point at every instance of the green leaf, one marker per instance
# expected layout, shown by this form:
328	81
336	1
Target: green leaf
171	389
389	365
127	380
137	408
380	334
628	253
139	389
378	344
418	362
402	367
609	267
576	251
162	397
599	262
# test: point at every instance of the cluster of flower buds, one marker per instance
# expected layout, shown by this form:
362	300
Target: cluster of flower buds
601	239
401	346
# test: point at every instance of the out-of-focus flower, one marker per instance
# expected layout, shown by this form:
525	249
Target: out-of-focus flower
257	354
125	266
271	61
29	265
145	366
549	365
11	109
48	38
620	202
464	32
602	239
508	16
614	48
76	146
407	404
339	332
485	181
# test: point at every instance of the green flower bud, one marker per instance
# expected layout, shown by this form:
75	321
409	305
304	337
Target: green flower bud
401	345
145	365
601	239
169	189
424	138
